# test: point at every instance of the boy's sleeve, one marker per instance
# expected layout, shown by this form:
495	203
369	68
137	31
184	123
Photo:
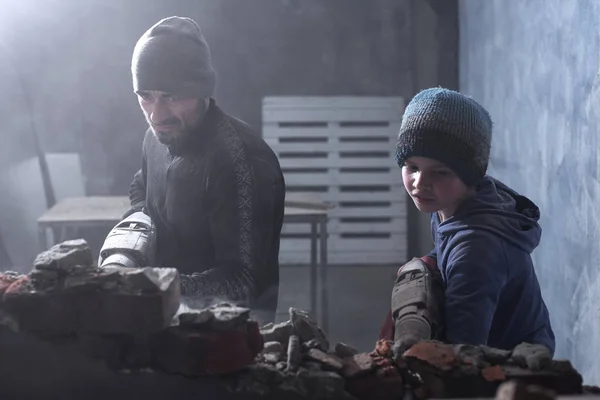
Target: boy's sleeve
432	254
476	274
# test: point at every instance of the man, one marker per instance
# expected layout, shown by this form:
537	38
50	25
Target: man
213	187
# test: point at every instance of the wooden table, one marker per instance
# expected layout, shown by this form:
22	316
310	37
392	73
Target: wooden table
63	221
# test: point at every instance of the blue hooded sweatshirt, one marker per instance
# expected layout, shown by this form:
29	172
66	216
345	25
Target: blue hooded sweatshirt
493	296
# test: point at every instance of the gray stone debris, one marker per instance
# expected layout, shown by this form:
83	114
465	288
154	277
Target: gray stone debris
294	354
329	362
532	356
273	358
297	350
228	316
300	324
12	274
281	365
195	317
65	256
132	281
495	356
343	350
221	317
266	327
278	333
471	355
273	352
273	347
306	328
314	344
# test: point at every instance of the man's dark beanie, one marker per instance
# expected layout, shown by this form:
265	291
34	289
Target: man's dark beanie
449	127
172	56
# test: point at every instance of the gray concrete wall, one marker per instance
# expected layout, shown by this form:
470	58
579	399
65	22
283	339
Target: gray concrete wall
435	63
535	65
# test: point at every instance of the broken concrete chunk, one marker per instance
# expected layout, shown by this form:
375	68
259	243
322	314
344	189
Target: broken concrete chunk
273	352
228	316
343	350
195	317
294	353
65	256
330	361
532	356
149	280
470	355
306	328
495	356
221	316
266	326
273	357
278	333
281	365
273	347
314	344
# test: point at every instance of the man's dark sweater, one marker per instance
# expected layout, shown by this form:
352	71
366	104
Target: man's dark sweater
217	203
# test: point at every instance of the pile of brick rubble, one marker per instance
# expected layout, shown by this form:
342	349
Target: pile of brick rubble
134	319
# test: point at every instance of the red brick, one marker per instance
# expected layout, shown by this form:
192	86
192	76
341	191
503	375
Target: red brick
492	374
436	354
194	352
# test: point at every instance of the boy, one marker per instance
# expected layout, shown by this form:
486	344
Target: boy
484	232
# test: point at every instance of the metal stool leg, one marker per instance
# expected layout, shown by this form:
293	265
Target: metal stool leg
324	313
313	269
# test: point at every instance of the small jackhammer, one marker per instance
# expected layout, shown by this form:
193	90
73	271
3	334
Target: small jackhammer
130	244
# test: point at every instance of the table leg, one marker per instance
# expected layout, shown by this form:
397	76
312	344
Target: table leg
64	230
313	268
324	312
43	237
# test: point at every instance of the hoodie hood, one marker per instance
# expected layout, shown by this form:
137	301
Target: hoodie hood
499	210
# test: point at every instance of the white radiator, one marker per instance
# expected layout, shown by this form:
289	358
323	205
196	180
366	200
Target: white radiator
342	149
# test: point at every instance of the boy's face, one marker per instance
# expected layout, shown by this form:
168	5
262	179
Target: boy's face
433	186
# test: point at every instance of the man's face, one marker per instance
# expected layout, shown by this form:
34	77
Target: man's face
170	117
433	186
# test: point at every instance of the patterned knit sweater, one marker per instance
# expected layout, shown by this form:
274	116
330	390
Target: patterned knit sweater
218	205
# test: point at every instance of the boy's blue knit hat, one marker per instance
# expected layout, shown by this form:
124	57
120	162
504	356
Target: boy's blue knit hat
449	127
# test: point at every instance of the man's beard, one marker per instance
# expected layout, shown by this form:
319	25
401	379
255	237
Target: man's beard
182	128
175	138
